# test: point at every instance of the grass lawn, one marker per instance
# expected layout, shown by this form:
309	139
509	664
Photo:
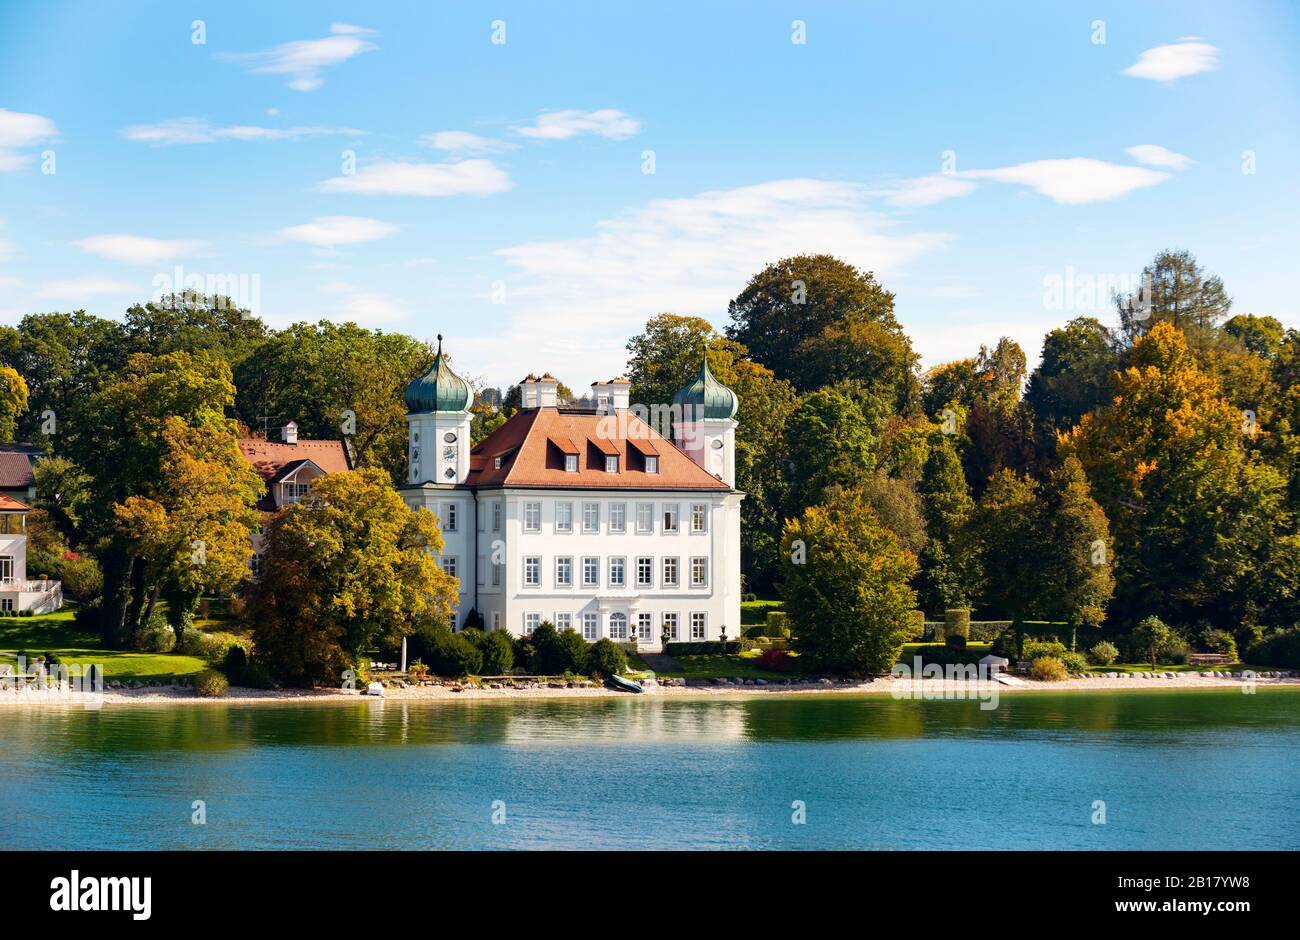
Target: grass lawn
1146	667
57	633
730	666
753	613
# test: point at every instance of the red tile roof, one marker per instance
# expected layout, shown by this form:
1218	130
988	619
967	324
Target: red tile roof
531	457
16	471
269	458
9	504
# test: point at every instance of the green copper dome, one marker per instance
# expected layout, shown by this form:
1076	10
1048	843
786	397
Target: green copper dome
706	397
439	389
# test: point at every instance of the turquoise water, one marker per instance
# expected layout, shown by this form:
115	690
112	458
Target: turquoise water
1176	770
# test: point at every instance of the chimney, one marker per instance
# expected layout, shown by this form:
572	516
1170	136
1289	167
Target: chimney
289	434
540	393
611	396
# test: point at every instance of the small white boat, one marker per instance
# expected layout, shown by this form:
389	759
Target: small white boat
375	688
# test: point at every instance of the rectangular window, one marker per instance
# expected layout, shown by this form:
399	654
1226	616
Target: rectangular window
571	463
611	463
533	571
496	516
618	517
617	572
496	620
697	626
644	626
496	574
591	627
564	517
564	572
617	627
591	517
449	514
254	563
670	517
531	623
699	517
449	565
590	572
563	621
699	572
670	626
532	517
670	573
645	571
652	465
293	492
645	517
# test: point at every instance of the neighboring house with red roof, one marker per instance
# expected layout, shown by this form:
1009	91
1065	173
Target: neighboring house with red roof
289	466
17	491
587	518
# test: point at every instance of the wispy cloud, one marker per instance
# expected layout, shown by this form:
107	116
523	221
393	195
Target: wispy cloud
689	255
464	144
1074	181
561	125
1155	155
1168	63
19	130
389	178
303	60
329	231
926	190
189	130
136	249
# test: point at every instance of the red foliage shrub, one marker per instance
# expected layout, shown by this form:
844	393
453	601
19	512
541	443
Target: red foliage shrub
775	660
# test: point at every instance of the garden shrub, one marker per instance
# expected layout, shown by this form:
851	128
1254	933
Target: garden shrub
778	624
81	577
1104	653
1037	649
211	684
454	655
498	653
1280	648
755	632
156	636
776	660
1175	651
563	651
606	658
1074	662
1004	645
956	622
1247	636
701	648
916	628
1047	669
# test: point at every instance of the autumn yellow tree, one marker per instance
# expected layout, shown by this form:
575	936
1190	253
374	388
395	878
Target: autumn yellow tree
13	401
192	535
349	568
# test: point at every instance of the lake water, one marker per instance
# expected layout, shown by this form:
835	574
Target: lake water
1176	770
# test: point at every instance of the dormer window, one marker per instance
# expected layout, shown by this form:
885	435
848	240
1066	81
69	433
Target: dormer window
611	463
571	462
652	465
496	463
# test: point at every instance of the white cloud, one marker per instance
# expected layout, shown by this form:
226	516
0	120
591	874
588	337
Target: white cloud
561	125
572	303
303	60
468	177
1074	181
18	130
1174	61
926	190
84	287
135	249
465	144
188	130
1155	155
328	231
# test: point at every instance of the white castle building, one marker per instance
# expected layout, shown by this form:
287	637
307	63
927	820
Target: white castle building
587	518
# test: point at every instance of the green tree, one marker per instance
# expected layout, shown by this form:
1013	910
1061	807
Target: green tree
848	600
62	490
1261	335
947	505
187	321
1073	377
1175	289
784	311
349	569
13	401
830	444
1077	554
1151	636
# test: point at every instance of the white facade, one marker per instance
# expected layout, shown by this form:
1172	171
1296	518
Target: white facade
17	593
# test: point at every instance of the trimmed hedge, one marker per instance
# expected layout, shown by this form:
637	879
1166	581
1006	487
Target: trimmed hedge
956	622
981	631
778	624
701	648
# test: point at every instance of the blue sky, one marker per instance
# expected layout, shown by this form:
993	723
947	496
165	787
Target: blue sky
391	164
